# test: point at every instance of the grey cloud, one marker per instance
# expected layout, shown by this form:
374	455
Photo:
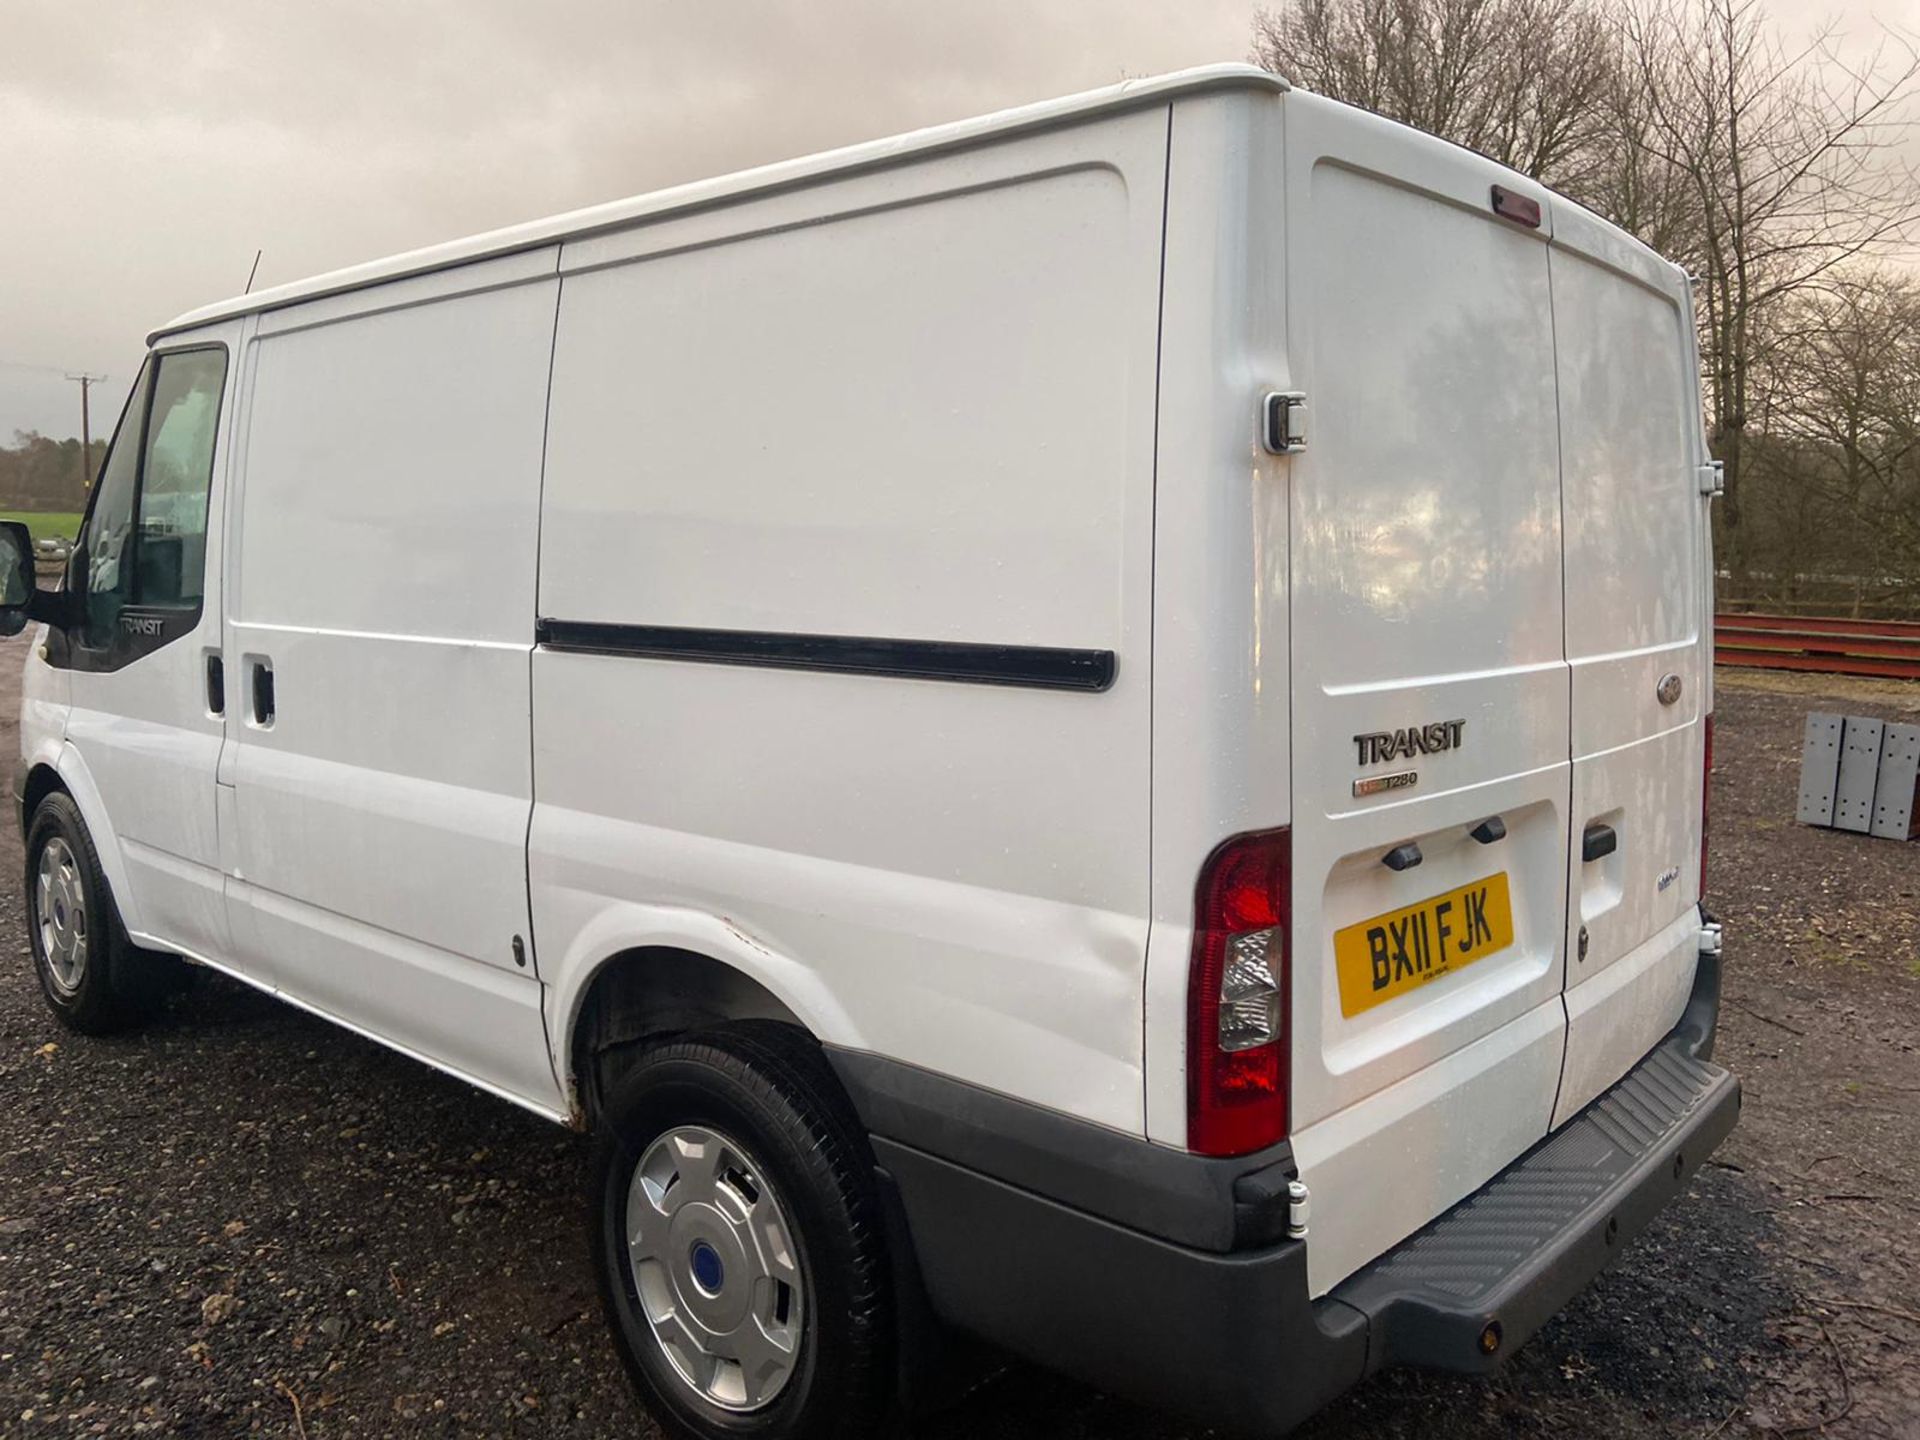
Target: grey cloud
146	150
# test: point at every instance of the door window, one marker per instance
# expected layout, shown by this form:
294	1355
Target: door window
170	561
106	548
141	563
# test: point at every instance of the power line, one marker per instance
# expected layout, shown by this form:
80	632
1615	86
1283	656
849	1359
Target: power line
32	365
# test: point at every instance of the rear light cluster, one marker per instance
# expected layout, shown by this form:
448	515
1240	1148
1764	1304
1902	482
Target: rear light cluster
1706	794
1237	987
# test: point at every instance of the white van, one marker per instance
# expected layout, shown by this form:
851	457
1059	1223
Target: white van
1002	714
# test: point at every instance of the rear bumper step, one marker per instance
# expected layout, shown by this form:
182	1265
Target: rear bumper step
1086	1251
1474	1284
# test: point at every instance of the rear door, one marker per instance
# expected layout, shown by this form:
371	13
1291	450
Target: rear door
1630	446
1430	706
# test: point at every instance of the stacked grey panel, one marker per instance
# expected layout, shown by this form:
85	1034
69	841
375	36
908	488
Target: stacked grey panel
1859	768
1860	774
1819	768
1896	798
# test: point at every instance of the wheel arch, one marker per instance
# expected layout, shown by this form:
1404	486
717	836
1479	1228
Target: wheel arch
58	768
642	991
39	781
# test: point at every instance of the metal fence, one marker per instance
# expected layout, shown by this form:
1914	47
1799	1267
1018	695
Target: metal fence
1889	649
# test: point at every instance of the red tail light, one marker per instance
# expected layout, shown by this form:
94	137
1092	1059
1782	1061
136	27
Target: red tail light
1237	997
1706	794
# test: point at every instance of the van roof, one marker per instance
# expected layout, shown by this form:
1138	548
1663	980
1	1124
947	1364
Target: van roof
782	175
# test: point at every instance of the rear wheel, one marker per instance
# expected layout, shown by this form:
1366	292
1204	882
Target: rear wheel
738	1241
94	978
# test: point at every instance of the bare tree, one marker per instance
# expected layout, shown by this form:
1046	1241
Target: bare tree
1765	169
1629	177
1519	80
1836	450
1786	155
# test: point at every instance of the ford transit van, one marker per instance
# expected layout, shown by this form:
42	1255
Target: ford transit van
1087	729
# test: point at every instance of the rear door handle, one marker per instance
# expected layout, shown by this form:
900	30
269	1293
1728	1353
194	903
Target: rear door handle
262	692
1598	841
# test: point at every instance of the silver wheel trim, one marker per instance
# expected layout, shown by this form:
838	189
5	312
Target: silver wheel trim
60	915
715	1268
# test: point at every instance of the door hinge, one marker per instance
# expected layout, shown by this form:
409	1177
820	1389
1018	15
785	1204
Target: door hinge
1710	938
1283	428
1712	477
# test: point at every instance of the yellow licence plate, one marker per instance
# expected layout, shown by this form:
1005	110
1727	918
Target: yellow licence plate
1404	949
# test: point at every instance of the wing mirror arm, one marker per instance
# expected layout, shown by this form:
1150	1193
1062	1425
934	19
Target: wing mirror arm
62	609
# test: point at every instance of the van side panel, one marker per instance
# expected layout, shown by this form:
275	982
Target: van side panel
914	406
386	572
1222	683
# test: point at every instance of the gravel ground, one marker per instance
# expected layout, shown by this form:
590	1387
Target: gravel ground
243	1221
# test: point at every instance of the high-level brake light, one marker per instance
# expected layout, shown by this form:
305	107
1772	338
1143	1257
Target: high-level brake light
1517	208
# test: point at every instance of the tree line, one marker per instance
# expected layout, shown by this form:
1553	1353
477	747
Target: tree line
1770	168
37	473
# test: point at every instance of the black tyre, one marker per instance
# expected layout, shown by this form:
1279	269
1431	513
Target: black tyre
738	1240
95	979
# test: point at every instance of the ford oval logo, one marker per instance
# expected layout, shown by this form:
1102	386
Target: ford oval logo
1668	689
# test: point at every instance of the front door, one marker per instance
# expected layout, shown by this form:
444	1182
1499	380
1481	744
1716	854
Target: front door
147	715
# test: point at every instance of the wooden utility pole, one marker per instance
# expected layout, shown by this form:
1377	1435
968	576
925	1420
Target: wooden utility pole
86	430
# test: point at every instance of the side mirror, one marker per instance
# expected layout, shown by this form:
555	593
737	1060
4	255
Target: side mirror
16	576
21	599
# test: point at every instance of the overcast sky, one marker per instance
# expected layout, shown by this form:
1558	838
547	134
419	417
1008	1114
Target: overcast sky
147	150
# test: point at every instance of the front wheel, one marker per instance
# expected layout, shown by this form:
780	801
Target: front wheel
94	978
738	1241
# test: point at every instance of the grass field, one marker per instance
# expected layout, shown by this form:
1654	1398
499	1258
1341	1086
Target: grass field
45	524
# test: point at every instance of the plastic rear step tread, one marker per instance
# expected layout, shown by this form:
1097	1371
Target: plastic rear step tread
1470	1288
